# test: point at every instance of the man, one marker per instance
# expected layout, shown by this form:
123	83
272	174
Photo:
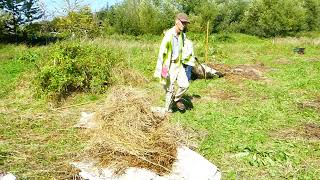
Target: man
169	65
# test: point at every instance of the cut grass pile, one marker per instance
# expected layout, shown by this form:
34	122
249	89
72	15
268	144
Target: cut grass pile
129	135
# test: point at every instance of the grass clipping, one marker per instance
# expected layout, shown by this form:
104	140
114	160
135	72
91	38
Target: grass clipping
129	135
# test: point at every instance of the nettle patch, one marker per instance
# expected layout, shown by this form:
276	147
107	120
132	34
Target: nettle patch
262	158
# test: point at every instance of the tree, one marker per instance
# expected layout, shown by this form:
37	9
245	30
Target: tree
21	12
205	12
81	23
188	6
312	14
32	11
275	18
3	18
15	9
230	15
126	17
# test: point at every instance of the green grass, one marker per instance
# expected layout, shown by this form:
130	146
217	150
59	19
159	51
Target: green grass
247	122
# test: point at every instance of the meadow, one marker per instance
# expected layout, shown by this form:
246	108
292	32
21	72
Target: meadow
260	121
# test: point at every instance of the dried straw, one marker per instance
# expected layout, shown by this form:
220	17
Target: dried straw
127	76
129	135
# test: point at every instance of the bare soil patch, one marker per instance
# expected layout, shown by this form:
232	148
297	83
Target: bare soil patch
313	59
313	104
242	72
283	61
216	96
309	131
224	95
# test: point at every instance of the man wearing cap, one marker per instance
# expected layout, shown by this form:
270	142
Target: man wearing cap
169	65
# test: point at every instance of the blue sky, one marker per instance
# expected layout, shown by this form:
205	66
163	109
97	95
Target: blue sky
56	6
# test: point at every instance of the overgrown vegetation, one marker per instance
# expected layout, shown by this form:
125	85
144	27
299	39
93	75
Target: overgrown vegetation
76	67
260	121
254	123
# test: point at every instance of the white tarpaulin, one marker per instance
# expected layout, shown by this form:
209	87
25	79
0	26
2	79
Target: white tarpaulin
189	166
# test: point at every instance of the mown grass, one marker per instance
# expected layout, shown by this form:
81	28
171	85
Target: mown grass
255	129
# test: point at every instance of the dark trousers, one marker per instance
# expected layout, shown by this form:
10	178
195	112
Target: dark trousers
188	70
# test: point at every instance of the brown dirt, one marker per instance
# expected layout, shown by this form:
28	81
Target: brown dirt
313	59
283	61
313	104
224	95
217	96
309	131
242	72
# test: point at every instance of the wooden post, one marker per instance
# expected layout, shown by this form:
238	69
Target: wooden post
207	41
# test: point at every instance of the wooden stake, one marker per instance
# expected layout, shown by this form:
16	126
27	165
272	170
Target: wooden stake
207	41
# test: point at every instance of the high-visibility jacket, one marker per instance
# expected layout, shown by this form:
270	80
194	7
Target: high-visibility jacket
165	53
188	56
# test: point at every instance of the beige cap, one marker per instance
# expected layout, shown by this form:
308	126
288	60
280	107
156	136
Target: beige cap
183	17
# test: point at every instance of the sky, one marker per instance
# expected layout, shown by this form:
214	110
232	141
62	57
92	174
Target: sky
56	6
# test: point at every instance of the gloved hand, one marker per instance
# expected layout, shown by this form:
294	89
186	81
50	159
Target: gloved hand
164	72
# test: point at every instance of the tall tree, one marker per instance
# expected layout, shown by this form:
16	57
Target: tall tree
275	18
188	6
32	11
313	14
3	18
15	9
21	12
230	15
206	12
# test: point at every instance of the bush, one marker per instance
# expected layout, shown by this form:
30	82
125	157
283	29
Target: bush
74	67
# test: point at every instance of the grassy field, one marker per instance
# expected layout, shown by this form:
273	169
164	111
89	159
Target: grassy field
260	121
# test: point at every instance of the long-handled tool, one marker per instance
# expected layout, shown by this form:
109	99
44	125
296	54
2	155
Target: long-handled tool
203	69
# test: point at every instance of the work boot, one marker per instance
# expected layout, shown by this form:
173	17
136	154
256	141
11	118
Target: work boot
180	105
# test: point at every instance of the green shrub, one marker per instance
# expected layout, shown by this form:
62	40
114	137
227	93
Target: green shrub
75	67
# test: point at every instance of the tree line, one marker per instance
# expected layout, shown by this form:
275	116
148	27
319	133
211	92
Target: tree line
264	18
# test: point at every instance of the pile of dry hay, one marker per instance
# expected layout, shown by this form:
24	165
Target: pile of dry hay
129	135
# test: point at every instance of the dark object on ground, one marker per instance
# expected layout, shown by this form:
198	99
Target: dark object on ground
187	101
299	50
